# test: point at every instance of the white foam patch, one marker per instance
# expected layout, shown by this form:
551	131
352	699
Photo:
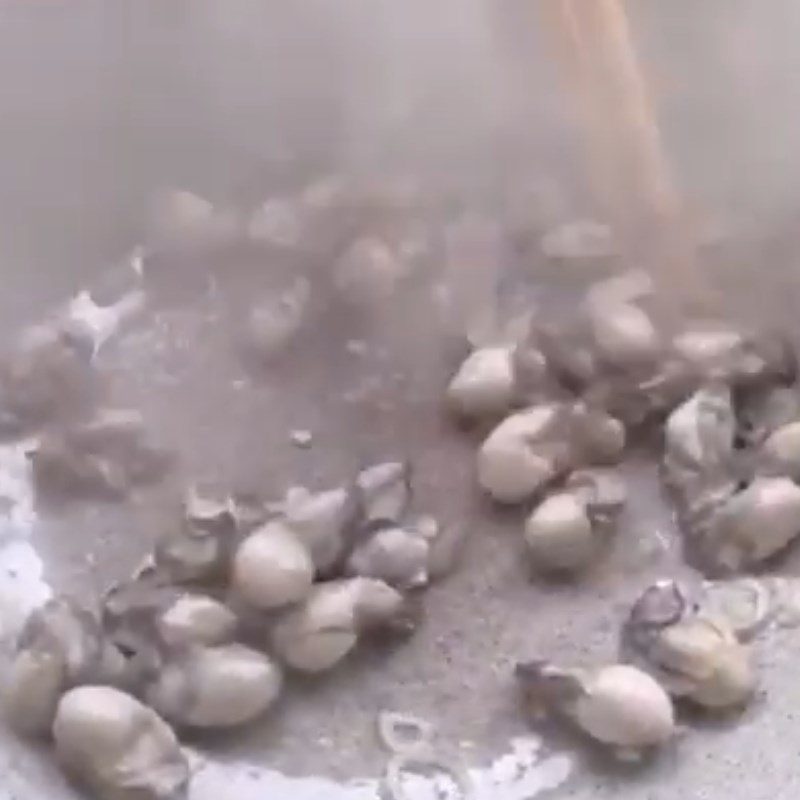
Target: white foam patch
22	585
520	774
17	513
103	322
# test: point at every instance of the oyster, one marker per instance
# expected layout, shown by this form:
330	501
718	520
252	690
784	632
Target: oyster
319	633
383	492
618	705
398	556
61	645
745	604
596	437
524	453
321	521
763	410
699	462
272	567
195	619
484	385
753	525
568	529
215	687
118	748
780	453
622	333
693	654
559	536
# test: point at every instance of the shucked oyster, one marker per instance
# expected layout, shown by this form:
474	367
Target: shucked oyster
618	705
215	687
398	555
118	748
753	524
272	567
523	453
740	358
532	447
60	646
559	536
568	529
383	493
622	332
494	378
317	634
710	349
569	358
484	385
698	444
780	453
364	529
321	521
693	654
596	438
195	620
161	616
763	410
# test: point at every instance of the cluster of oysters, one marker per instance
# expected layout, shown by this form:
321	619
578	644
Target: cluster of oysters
201	635
242	591
562	404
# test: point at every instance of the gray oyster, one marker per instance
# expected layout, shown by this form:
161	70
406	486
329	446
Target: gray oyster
693	654
568	529
223	686
753	525
61	645
617	705
780	452
118	748
700	466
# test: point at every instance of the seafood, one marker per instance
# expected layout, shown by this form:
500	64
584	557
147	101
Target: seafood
117	747
215	687
693	654
272	567
618	705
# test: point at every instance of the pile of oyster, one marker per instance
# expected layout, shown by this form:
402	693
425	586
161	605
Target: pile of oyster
243	591
200	636
559	404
